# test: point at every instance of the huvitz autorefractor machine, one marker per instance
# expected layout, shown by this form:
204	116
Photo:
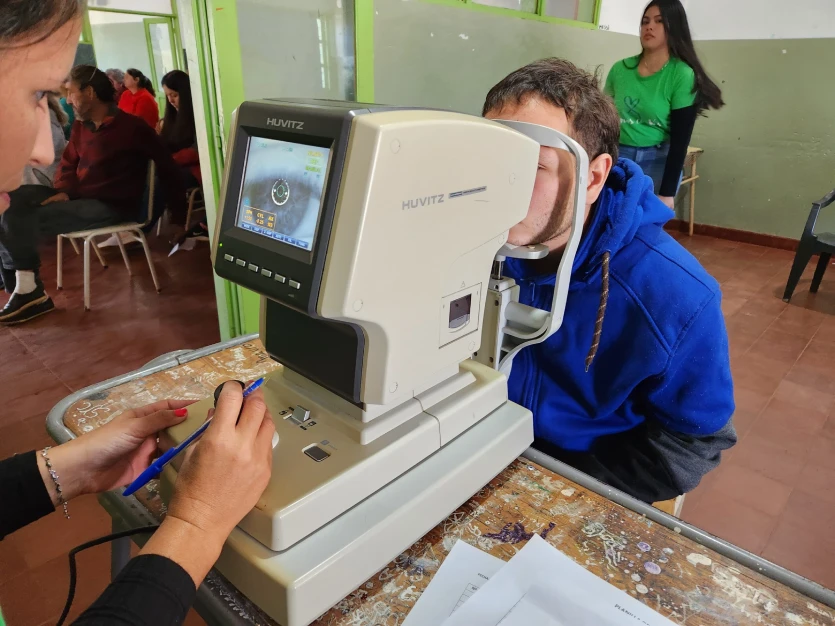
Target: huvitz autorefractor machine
370	234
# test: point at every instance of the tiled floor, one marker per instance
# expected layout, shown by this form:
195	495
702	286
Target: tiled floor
774	494
44	361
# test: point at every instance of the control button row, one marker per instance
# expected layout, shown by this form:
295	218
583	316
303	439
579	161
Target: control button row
264	271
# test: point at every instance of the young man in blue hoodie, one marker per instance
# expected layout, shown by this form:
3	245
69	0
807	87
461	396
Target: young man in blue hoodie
635	388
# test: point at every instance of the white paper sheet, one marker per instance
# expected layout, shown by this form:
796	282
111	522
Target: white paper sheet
541	577
460	576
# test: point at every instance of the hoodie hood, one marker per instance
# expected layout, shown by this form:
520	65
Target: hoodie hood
627	202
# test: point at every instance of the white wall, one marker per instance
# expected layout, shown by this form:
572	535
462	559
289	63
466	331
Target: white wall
760	19
734	19
622	16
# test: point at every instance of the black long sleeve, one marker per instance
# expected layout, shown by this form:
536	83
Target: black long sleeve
22	492
682	122
151	591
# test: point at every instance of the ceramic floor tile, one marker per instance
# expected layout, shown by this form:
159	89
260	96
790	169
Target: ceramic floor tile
787	414
725	517
752	488
811	556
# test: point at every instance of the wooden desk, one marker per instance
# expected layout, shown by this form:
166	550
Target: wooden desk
674	575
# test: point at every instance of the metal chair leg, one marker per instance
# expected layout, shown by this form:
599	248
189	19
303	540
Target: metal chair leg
124	254
141	236
60	263
823	263
801	260
75	246
98	252
87	241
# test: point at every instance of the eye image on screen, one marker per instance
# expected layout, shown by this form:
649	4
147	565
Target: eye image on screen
282	190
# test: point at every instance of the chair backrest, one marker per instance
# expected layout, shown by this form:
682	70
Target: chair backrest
809	230
150	188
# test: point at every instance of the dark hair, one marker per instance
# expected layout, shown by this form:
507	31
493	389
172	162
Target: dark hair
680	44
144	81
178	130
22	19
591	114
90	76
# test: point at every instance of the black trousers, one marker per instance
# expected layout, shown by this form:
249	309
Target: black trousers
26	223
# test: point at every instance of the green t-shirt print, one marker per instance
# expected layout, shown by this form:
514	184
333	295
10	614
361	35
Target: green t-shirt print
644	103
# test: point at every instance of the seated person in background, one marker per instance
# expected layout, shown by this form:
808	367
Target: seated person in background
117	79
139	97
645	405
177	131
66	107
46	175
100	182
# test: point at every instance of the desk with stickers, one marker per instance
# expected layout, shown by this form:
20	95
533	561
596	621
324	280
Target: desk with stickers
684	574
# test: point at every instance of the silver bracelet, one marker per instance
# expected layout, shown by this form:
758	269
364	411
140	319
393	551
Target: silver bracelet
54	475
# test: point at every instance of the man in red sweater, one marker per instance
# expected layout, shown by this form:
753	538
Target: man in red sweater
100	182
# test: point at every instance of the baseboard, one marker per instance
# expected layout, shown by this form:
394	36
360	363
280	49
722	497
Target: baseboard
744	236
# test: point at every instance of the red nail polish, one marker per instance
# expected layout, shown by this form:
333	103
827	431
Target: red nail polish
181	412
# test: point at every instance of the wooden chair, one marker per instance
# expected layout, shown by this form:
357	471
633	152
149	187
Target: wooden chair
693	155
812	243
89	236
673	507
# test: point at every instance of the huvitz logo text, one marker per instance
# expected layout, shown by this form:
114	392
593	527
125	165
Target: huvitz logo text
271	121
425	201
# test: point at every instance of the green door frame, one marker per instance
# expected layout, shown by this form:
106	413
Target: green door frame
155	79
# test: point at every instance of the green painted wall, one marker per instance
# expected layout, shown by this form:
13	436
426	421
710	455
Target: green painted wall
434	55
771	151
768	153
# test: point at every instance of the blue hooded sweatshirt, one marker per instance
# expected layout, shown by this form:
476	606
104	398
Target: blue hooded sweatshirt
653	411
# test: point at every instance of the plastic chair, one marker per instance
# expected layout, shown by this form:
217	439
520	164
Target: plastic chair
89	241
811	244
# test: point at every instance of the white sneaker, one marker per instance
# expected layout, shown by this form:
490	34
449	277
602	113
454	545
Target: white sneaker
113	241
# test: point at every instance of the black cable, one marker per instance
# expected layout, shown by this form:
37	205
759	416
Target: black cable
93	544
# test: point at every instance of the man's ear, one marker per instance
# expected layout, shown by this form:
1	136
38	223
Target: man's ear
598	173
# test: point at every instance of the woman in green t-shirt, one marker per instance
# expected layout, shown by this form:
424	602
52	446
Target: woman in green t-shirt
659	94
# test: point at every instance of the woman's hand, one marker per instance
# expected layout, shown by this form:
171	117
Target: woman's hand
670	201
220	481
115	454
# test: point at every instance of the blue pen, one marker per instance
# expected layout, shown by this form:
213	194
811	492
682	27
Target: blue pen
156	467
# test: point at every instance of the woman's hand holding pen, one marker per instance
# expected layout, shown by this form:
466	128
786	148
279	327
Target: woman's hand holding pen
113	455
221	479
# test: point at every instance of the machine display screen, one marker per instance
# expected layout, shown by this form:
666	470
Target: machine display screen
282	190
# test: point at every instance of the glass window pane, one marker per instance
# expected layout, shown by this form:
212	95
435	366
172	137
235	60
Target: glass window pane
120	42
164	60
526	6
147	6
581	10
300	48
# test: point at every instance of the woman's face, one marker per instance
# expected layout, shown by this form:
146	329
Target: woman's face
27	72
173	97
130	81
653	33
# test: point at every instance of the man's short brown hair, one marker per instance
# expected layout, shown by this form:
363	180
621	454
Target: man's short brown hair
591	113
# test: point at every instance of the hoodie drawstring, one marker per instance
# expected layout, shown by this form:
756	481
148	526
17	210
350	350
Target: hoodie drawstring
601	312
